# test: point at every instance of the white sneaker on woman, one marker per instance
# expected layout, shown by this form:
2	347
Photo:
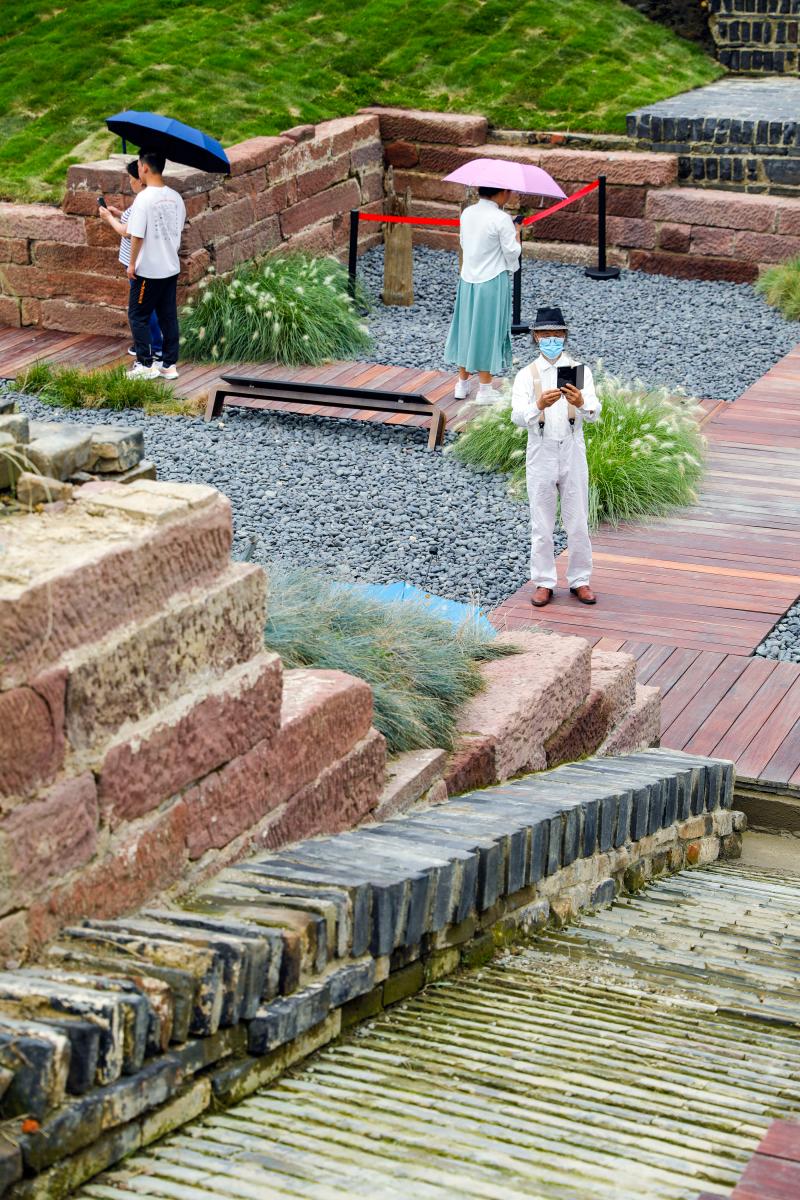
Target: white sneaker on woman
461	389
486	394
170	372
140	371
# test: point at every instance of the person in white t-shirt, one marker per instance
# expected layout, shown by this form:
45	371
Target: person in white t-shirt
154	226
480	332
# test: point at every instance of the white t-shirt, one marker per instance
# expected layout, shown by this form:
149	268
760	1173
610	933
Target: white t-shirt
157	215
489	242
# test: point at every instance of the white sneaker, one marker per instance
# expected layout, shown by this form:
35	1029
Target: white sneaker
486	394
140	371
167	372
461	389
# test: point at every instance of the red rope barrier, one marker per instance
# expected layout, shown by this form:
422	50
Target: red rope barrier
396	220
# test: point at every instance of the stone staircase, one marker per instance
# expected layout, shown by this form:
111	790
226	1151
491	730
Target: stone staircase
646	1052
126	1028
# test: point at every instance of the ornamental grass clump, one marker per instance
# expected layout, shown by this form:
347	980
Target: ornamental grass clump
72	387
780	287
645	453
293	310
421	668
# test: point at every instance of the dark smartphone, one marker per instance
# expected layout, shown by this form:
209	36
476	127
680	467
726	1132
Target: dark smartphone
519	218
573	375
101	202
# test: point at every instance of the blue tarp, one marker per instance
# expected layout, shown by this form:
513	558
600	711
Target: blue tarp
437	606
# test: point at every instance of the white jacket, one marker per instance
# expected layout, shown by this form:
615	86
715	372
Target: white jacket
525	413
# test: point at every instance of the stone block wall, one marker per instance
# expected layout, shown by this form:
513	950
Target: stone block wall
756	36
652	225
59	267
146	737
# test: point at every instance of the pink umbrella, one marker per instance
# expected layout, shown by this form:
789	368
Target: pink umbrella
505	173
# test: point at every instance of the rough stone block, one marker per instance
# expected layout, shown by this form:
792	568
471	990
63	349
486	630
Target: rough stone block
287	1018
43	840
14	249
77	577
40	221
724	210
199	732
41	489
59	455
115	448
711	241
691	266
612	695
256	152
331	202
641	728
765	247
38	1058
73	317
32	734
409	776
526	698
631	231
137	867
417	125
16	425
139	668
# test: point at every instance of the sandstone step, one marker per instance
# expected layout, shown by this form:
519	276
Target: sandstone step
409	777
640	728
324	716
133	671
207	726
612	696
115	448
525	701
71	577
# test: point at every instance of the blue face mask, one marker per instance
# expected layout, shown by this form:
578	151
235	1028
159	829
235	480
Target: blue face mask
551	347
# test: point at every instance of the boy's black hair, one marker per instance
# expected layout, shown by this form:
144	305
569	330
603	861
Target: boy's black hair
133	168
154	159
486	193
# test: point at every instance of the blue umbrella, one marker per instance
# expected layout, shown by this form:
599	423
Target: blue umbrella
435	606
176	141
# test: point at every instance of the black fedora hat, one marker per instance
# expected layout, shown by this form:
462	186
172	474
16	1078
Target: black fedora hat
549	318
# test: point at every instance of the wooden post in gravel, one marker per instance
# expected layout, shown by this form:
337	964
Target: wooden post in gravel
398	261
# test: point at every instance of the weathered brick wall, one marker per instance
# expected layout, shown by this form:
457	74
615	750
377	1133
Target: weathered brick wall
59	268
146	737
652	224
756	36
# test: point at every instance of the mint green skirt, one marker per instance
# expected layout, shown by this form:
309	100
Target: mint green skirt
480	332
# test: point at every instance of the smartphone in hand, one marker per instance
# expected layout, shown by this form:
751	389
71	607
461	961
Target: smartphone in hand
101	202
519	218
573	375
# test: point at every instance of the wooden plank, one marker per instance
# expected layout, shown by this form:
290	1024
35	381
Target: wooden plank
687	687
687	720
756	713
719	721
776	736
651	660
668	674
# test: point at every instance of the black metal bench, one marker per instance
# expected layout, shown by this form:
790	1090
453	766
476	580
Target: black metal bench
240	387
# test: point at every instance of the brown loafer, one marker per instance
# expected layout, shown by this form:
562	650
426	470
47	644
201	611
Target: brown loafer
541	596
584	593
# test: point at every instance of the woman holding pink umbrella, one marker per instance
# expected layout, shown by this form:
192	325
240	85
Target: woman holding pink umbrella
480	332
479	340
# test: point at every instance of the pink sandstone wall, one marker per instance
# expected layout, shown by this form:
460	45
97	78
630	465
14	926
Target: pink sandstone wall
146	737
59	268
653	225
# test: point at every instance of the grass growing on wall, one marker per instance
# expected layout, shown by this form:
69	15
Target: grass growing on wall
421	668
293	309
238	68
780	287
73	387
645	453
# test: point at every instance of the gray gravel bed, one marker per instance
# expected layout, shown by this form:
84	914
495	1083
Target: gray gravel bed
783	640
713	339
363	503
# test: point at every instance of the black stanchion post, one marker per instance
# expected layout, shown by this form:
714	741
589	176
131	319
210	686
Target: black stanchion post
352	258
517	323
602	271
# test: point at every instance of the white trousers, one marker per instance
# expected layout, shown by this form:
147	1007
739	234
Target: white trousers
558	469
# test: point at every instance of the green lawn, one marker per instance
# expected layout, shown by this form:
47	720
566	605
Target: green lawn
244	67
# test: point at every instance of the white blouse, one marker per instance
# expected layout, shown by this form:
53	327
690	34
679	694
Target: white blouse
488	241
556	418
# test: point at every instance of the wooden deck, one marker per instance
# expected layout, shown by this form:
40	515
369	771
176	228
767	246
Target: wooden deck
692	595
19	348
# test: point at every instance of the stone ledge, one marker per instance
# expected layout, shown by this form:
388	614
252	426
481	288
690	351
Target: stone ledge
200	1000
